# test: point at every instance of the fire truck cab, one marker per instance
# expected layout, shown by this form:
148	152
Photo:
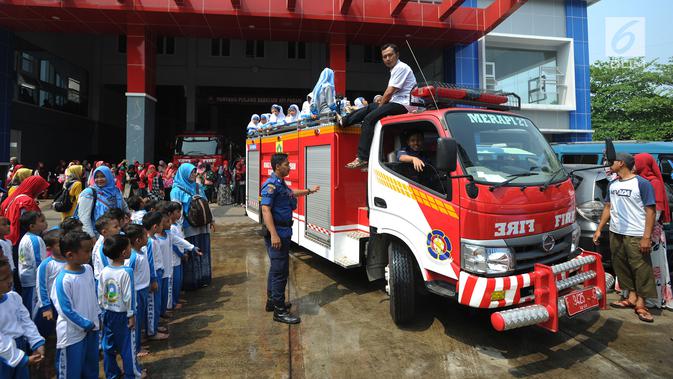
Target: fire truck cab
488	222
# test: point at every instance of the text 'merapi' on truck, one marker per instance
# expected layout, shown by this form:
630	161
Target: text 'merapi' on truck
489	222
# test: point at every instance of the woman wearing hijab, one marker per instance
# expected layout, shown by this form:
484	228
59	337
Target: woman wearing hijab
253	125
647	168
197	269
264	121
97	199
324	94
155	184
292	114
306	106
73	184
19	176
22	200
277	115
132	178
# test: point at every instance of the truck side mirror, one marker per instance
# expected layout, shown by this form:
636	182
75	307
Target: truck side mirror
610	154
447	154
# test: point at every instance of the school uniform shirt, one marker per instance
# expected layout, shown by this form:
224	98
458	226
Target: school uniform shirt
628	199
7	252
143	271
178	246
154	247
46	275
137	216
116	291
74	297
402	78
15	322
98	258
32	251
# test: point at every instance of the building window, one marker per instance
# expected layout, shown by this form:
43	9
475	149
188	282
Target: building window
121	44
371	54
296	50
73	90
254	49
531	74
165	45
27	93
219	47
47	73
27	63
46	99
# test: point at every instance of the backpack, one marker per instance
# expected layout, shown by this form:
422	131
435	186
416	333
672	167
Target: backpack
63	201
199	210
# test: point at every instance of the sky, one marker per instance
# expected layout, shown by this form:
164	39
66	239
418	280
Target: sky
632	28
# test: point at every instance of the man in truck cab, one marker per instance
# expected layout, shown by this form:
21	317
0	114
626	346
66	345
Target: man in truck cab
395	101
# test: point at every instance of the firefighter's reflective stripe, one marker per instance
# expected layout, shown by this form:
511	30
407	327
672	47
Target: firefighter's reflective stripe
252	176
318	205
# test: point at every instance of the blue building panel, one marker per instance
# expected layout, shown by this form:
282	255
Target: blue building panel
577	29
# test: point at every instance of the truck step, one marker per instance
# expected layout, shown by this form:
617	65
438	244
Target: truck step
357	235
345	262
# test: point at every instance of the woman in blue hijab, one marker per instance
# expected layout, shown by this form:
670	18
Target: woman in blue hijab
197	270
107	196
323	94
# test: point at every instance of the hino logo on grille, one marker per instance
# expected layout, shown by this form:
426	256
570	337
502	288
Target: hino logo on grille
548	242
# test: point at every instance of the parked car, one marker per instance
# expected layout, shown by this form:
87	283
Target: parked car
591	188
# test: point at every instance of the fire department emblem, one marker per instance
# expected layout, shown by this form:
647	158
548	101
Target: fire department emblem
439	245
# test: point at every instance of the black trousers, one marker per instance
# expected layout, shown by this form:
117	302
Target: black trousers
368	117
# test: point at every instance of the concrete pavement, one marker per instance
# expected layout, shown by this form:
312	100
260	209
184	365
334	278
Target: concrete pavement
347	332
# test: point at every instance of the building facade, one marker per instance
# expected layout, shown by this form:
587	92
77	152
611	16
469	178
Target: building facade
122	78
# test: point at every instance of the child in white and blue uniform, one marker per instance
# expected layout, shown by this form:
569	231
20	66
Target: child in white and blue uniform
152	223
32	251
74	297
143	271
17	331
117	299
45	317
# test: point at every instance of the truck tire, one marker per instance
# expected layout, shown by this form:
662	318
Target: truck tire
401	283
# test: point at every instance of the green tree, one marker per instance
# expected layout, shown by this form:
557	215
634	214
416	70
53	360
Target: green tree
632	99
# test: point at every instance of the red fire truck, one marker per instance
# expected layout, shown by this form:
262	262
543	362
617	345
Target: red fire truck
489	222
199	147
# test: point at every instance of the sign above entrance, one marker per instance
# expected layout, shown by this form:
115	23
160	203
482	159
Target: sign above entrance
253	100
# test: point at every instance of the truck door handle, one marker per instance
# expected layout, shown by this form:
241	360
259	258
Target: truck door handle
380	202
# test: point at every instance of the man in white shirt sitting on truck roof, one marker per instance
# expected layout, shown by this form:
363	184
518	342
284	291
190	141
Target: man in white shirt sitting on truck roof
395	101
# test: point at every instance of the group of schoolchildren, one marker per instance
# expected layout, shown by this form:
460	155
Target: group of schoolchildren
92	294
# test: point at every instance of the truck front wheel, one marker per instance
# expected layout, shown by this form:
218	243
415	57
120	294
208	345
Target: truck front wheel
401	283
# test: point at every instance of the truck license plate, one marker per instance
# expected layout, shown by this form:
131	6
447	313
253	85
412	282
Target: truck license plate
581	301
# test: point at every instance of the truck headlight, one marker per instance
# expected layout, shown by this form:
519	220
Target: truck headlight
591	210
486	260
575	237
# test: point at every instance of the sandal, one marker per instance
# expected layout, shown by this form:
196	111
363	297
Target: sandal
644	314
622	304
357	163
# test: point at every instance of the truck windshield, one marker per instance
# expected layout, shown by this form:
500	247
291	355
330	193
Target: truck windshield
196	145
495	147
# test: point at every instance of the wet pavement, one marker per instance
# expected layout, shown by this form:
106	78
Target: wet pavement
346	330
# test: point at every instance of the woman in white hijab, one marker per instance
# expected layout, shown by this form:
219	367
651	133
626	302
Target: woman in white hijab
292	114
253	126
324	94
306	107
277	115
263	121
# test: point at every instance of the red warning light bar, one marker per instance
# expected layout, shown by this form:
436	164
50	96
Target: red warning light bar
447	95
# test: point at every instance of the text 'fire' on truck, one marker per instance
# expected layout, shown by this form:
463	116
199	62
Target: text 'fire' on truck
489	222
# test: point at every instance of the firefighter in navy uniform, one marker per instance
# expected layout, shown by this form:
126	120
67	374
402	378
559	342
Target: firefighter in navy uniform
278	202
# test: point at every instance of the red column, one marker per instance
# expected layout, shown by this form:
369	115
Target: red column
140	61
337	62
